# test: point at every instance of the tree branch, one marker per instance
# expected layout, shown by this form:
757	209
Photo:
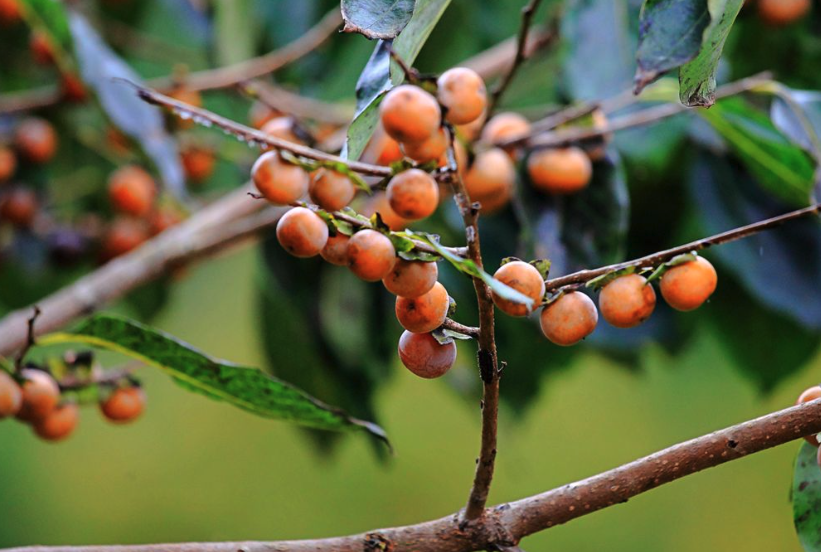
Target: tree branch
505	525
656	259
521	46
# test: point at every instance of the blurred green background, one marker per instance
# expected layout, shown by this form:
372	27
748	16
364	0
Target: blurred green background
196	470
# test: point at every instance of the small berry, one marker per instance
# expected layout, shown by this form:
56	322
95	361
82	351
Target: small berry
379	203
560	171
810	394
525	279
36	140
627	301
569	319
163	218
782	12
302	233
413	194
124	405
73	88
331	190
8	163
58	424
281	183
132	190
431	149
505	126
371	255
260	113
282	128
382	149
462	91
123	235
687	286
424	356
41	394
471	131
424	313
336	250
11	396
409	114
491	179
198	163
10	12
411	278
19	207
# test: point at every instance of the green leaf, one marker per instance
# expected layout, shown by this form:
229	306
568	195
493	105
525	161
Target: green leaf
697	79
104	71
797	113
806	498
51	16
376	18
670	35
246	388
378	76
778	164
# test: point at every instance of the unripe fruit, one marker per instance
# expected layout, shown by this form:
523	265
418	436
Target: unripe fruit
19	206
491	179
409	114
505	126
808	395
279	181
431	149
686	286
336	250
560	171
331	190
782	12
132	190
413	194
282	128
379	204
371	255
8	163
627	301
11	396
569	319
462	91
41	395
59	424
302	233
424	356
163	218
123	235
41	48
524	278
124	405
198	163
411	278
36	140
424	313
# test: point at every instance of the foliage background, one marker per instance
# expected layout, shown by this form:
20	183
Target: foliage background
194	470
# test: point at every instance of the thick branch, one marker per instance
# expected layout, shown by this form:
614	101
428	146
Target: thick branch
504	525
656	259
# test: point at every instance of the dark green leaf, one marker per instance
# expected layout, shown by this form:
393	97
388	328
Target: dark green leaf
670	34
102	69
806	498
376	18
379	76
149	299
697	79
778	164
246	388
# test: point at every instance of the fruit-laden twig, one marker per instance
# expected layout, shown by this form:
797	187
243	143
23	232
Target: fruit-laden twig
251	136
486	355
209	79
543	135
521	52
656	259
506	524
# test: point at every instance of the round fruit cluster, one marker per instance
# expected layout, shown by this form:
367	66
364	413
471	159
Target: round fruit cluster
34	397
625	301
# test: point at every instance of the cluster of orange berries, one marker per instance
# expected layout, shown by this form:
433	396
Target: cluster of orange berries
34	397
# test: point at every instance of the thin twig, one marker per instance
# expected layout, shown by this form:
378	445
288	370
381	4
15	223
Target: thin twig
411	74
506	524
31	338
521	47
656	259
461	328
